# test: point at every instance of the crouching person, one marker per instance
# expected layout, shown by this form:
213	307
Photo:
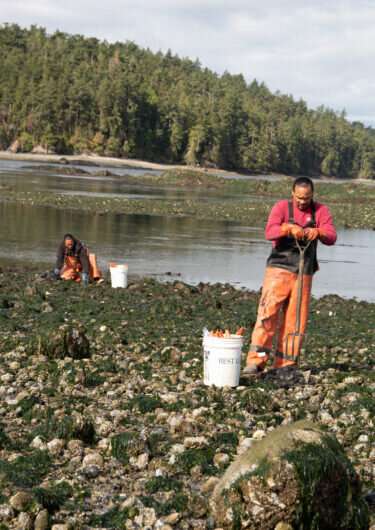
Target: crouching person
74	262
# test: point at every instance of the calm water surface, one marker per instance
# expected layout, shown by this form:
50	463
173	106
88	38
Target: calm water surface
185	248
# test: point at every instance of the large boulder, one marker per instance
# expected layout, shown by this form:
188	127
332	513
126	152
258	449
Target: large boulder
298	475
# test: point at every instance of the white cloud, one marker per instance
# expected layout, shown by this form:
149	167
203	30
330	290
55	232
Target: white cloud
322	52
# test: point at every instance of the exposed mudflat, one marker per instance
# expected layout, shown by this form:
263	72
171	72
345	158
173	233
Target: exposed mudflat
352	204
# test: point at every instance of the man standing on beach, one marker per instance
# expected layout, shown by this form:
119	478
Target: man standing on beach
292	224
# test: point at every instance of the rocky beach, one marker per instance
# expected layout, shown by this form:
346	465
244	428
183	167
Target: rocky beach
174	174
106	423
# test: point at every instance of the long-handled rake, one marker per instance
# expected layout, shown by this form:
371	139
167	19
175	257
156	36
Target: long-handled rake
295	339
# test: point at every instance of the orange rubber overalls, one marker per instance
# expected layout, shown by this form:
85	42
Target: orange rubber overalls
277	311
72	268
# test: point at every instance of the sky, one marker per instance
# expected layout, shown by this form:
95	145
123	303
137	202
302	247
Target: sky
322	51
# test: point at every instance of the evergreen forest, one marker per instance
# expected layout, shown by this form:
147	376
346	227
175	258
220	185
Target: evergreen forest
72	94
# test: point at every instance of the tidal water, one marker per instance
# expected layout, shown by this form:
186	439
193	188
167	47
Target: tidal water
163	247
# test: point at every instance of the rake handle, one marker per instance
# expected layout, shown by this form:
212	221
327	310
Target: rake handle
301	267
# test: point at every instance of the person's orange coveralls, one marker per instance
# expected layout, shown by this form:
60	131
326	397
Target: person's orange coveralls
74	261
277	310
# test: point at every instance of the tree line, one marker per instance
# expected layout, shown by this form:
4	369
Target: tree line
73	94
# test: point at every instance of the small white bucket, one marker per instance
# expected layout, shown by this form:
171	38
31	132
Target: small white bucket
119	275
222	360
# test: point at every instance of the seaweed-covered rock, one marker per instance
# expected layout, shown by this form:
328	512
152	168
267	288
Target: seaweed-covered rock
297	475
126	445
77	344
65	342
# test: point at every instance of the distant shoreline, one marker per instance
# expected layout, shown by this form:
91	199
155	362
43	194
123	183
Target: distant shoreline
106	161
100	160
133	163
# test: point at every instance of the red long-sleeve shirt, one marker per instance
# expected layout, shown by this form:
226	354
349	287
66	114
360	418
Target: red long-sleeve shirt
280	214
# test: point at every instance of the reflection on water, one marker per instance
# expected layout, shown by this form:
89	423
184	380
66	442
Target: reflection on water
207	251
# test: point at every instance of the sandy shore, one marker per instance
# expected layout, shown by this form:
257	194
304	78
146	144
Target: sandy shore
104	161
134	163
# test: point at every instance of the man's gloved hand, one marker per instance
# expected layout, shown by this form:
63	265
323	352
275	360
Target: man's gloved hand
85	279
289	229
312	233
297	232
285	229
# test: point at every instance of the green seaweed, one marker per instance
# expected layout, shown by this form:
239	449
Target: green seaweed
313	463
158	444
124	445
145	403
226	439
162	484
93	379
202	457
107	365
28	470
4	438
66	428
113	518
178	503
26	406
53	497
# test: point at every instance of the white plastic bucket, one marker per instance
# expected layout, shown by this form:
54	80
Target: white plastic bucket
119	275
222	360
